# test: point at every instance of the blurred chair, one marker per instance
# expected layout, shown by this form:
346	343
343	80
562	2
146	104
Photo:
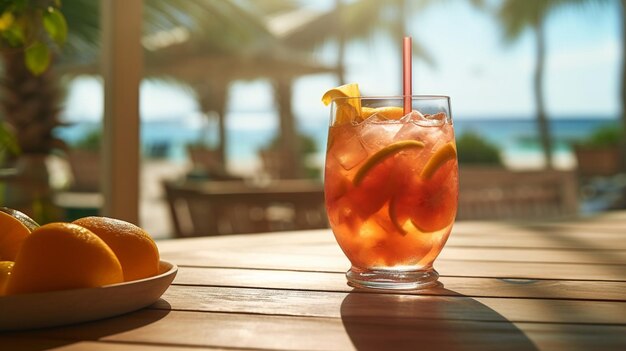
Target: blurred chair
234	207
207	164
496	193
85	167
273	163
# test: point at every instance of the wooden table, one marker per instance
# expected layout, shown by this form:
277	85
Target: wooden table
506	287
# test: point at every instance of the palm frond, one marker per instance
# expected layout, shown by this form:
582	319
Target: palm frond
268	7
83	22
516	16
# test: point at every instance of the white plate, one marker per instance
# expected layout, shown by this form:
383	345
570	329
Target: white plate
55	308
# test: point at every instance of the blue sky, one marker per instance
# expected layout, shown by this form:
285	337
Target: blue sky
483	76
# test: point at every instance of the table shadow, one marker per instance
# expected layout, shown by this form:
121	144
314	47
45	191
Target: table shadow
56	337
386	321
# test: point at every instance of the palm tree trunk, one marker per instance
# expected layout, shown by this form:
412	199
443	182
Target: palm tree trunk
542	119
220	101
29	104
290	146
341	43
623	83
212	97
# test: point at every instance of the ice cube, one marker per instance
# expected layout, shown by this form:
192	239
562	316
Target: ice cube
412	116
414	123
434	120
349	153
377	131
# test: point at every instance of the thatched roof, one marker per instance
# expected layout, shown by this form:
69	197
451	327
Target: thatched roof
195	56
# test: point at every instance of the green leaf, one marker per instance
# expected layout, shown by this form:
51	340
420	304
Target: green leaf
55	24
8	140
6	20
13	36
37	58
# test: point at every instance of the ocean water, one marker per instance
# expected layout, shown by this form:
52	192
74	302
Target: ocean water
516	137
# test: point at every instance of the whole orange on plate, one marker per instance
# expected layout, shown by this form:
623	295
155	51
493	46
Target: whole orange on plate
137	252
60	256
5	272
12	234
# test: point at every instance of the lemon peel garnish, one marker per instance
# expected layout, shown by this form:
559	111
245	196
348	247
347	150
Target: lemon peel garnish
347	90
347	109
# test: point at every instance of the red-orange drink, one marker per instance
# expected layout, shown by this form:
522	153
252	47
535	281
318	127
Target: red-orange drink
391	185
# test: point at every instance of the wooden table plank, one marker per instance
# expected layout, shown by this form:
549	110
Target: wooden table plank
24	343
593	225
583	256
526	270
472	287
530	270
332	304
498	235
234	330
544	240
331	249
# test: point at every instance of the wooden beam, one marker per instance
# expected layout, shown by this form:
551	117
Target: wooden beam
122	70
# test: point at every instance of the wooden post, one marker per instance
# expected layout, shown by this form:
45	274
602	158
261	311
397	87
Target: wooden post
122	70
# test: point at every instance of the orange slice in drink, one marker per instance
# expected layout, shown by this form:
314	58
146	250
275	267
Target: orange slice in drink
433	199
435	207
389	112
393	216
430	199
347	109
441	156
382	155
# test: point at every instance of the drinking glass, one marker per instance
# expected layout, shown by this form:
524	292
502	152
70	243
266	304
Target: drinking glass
391	187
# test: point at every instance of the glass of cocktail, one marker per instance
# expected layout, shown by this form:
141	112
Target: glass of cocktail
391	186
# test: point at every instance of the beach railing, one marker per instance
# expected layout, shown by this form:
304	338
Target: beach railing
497	193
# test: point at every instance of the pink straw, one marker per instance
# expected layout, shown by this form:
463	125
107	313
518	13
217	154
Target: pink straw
407	74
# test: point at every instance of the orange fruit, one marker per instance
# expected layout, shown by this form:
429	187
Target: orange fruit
12	234
135	249
59	256
5	272
27	221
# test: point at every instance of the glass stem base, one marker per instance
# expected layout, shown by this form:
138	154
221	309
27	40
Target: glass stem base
393	279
